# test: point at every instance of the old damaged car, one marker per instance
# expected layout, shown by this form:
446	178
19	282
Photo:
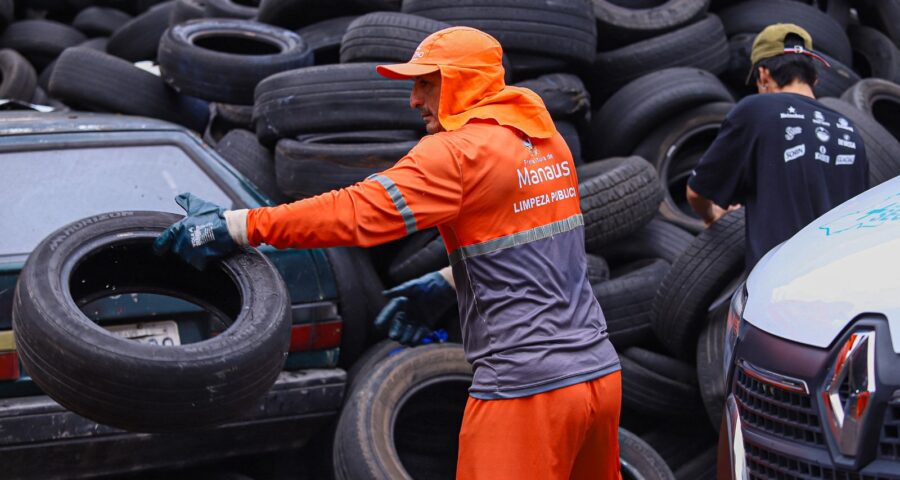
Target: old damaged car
812	351
61	167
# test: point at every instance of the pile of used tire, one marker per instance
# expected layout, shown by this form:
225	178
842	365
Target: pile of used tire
286	91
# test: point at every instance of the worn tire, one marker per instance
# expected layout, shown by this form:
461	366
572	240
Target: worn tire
422	392
621	197
882	14
638	107
657	239
874	54
40	41
564	30
701	467
331	98
418	256
639	461
139	38
674	148
324	38
700	45
100	21
710	374
242	150
695	280
753	16
293	14
678	442
597	269
878	98
563	94
654	384
386	37
17	78
223	60
833	81
230	9
368	361
185	10
626	301
96	81
146	387
621	23
881	146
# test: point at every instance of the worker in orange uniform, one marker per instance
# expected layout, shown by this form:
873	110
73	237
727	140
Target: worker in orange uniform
498	181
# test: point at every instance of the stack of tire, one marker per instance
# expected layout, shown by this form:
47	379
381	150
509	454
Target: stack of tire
285	90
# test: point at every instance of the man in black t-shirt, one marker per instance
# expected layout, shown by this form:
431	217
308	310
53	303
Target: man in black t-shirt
786	157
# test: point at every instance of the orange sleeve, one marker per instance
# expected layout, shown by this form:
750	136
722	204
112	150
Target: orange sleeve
422	190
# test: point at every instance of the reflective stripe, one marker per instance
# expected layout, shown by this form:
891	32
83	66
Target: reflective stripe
527	236
408	219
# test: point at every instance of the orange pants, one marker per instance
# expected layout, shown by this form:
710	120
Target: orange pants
567	433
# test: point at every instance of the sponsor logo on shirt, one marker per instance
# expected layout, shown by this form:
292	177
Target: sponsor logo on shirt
822	155
822	134
819	119
846	142
844	159
791	132
792	113
843	124
794	153
529	145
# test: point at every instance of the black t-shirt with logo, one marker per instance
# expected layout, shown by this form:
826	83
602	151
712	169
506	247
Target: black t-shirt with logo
788	159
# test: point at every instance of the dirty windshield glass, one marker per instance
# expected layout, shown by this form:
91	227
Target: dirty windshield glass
44	190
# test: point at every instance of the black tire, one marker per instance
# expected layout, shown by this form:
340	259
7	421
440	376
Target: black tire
656	239
701	467
378	5
100	21
700	45
294	14
834	80
639	461
651	391
96	43
242	150
40	41
679	442
223	60
564	30
324	38
674	148
420	255
883	15
563	94
597	269
243	9
626	301
145	387
881	146
878	98
710	362
185	10
368	361
621	23
874	54
331	98
695	280
753	16
223	118
422	392
570	134
735	76
359	299
305	169
386	37
638	107
7	11
96	81
621	197
17	77
139	38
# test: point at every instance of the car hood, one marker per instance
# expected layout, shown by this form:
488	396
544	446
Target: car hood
844	264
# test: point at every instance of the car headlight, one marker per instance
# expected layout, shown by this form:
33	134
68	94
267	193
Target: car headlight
734	324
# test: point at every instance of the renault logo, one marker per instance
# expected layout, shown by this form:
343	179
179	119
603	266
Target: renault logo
850	390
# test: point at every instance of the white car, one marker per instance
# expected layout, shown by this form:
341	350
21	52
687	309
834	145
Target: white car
812	351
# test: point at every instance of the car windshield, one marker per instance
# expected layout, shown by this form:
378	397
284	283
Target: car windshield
46	189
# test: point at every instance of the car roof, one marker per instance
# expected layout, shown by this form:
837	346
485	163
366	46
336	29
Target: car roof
29	123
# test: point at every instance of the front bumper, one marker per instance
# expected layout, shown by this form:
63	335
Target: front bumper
41	439
773	424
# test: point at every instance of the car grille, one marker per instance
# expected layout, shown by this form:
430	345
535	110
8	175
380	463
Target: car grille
777	411
889	445
764	464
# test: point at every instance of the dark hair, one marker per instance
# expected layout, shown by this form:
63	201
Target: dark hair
789	67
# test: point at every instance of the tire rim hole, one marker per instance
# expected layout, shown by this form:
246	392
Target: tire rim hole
681	162
126	284
237	44
426	428
887	112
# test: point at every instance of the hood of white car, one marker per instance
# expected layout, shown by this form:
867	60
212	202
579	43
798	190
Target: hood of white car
844	264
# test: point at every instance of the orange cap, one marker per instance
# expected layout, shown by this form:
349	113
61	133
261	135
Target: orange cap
472	86
456	46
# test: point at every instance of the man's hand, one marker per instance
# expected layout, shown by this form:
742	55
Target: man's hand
415	307
199	237
705	208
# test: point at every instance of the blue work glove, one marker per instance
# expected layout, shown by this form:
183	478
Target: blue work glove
415	308
200	236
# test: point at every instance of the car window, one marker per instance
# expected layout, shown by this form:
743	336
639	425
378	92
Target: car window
41	191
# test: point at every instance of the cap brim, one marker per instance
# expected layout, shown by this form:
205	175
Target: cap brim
405	71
